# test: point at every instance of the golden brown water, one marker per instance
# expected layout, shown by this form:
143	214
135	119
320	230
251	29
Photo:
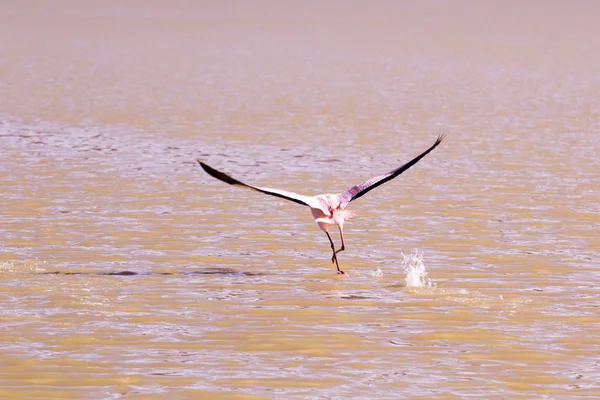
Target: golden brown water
128	272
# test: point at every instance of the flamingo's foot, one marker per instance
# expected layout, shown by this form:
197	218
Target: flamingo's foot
340	272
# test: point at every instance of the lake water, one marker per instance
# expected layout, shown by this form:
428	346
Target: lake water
127	272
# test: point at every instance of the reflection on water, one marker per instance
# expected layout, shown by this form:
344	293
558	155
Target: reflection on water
126	271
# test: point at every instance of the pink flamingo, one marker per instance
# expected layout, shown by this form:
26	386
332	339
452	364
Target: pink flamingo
327	209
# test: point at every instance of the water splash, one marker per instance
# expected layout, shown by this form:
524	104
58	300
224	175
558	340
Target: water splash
416	275
378	272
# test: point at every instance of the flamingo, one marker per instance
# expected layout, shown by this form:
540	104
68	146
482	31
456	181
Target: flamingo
327	209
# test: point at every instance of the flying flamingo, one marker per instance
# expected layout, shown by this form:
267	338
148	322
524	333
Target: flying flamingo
327	209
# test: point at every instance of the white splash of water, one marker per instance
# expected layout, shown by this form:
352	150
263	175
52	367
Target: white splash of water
377	273
416	275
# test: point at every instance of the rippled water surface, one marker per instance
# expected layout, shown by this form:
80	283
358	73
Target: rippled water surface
126	271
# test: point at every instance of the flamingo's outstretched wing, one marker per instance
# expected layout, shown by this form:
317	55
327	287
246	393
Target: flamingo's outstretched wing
283	194
363	188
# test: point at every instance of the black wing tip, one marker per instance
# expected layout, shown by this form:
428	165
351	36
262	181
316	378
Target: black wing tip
204	166
207	168
219	175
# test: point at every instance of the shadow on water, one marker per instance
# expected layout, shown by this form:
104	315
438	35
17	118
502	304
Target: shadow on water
213	271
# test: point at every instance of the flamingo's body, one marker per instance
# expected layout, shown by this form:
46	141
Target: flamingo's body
327	209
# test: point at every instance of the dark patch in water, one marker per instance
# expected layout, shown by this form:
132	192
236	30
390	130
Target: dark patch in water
120	273
166	374
354	297
330	160
223	271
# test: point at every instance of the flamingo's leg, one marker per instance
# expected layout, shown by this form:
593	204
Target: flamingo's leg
342	237
334	257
